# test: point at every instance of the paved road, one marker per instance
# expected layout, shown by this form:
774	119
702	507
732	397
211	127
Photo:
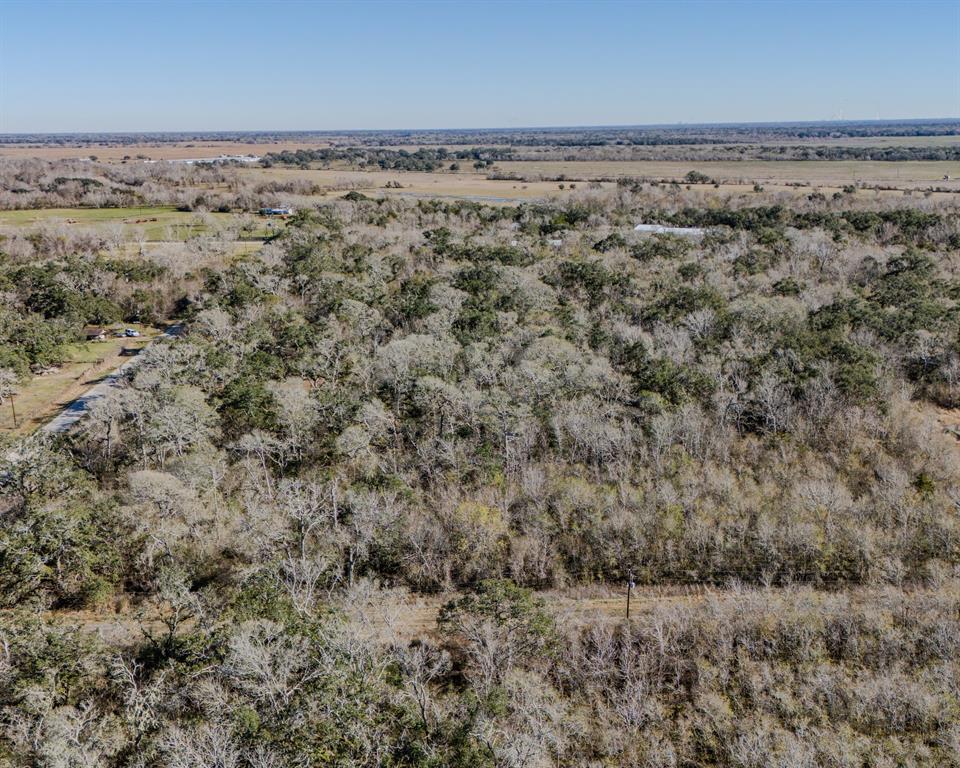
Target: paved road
80	407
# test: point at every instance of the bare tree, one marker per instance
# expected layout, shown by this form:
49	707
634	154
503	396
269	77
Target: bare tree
8	389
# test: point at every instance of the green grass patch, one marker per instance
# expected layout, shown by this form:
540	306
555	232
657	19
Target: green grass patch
157	223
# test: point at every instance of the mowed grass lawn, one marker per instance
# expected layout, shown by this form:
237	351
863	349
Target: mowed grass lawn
43	396
156	223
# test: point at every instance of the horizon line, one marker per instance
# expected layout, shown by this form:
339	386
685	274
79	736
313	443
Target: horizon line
572	127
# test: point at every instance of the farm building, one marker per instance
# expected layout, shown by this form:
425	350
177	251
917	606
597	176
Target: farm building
285	211
222	159
660	229
95	333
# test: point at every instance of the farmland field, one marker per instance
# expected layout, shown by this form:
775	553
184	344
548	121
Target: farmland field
904	174
115	153
153	223
794	180
150	224
464	185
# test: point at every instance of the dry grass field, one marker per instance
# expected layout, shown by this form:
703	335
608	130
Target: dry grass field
906	174
468	186
148	223
734	178
541	178
137	225
154	151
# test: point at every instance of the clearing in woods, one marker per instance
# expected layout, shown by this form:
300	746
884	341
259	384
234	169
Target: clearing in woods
949	420
44	395
414	618
148	224
155	223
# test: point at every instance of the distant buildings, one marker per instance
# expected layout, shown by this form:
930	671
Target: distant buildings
660	229
285	211
209	160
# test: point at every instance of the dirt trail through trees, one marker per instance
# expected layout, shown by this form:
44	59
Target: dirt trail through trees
410	619
949	421
80	406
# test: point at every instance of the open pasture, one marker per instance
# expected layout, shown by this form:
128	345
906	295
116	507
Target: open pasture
906	174
469	186
577	176
151	224
179	150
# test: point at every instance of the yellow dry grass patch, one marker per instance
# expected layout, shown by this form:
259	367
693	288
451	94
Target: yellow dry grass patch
734	178
468	186
147	224
900	174
181	150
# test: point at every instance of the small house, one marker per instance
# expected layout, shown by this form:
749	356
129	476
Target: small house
284	211
95	333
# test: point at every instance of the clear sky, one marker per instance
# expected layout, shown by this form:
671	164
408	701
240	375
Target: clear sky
166	66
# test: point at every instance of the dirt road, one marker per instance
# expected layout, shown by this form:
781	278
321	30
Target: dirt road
413	617
80	407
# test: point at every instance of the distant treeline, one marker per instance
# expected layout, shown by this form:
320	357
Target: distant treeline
434	158
915	227
423	159
580	136
859	153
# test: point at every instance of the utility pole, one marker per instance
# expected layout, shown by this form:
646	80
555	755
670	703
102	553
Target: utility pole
630	586
12	408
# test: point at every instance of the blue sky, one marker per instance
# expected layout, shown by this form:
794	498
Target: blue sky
120	66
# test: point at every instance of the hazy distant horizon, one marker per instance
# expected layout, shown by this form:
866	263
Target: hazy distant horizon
483	129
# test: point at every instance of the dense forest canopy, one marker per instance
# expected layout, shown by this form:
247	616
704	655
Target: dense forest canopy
499	409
